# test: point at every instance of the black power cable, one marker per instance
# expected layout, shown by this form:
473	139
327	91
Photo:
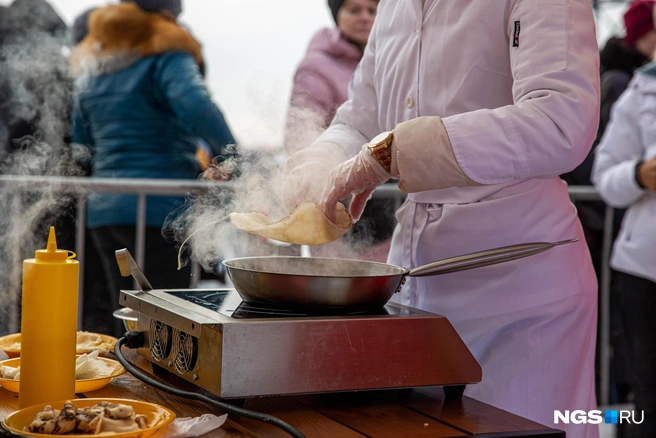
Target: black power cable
135	339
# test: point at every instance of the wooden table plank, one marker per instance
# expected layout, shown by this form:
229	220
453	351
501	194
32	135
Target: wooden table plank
308	421
8	402
376	417
467	414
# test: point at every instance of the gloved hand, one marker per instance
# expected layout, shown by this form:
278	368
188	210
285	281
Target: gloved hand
307	173
358	176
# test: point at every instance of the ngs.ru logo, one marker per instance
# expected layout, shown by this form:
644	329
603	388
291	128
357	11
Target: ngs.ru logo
596	417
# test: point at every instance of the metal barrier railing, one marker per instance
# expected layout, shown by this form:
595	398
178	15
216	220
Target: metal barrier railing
82	186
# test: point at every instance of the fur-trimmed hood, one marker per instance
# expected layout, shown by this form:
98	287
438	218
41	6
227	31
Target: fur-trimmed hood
121	34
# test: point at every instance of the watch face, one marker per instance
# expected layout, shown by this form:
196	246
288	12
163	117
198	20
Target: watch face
380	138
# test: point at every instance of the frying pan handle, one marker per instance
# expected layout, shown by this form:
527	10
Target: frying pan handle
485	258
128	267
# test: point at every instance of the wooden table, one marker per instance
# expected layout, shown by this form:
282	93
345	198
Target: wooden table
416	413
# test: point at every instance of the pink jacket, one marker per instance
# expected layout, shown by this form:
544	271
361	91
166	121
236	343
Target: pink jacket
322	78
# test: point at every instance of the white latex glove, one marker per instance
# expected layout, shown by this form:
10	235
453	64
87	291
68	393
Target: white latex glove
358	176
307	173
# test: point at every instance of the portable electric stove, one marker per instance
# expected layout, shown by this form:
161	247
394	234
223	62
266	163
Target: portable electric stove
235	349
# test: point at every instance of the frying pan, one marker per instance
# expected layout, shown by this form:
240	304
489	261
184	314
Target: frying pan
331	282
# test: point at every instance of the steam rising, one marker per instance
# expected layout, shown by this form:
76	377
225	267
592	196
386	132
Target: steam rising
35	97
26	216
303	127
257	190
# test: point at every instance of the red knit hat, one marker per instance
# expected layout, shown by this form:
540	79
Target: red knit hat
638	20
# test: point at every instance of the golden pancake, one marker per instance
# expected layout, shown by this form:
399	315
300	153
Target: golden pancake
306	225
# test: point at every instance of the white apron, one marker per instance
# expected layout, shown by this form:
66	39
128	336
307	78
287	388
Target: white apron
531	323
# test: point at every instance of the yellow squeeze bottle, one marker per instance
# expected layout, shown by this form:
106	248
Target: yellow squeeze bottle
49	326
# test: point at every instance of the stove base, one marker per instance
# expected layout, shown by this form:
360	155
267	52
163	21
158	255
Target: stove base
238	358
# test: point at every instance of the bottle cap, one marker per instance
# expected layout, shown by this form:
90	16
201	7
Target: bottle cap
51	253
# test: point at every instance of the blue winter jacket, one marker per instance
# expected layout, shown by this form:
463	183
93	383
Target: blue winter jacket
144	121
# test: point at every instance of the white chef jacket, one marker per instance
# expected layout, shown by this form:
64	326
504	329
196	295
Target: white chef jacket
516	83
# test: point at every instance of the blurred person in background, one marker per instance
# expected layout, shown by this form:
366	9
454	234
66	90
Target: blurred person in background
624	173
619	58
478	108
322	78
320	86
140	106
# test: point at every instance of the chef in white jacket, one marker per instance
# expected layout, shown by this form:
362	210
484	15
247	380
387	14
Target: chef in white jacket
477	106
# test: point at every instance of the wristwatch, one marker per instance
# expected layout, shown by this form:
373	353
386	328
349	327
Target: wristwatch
380	147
